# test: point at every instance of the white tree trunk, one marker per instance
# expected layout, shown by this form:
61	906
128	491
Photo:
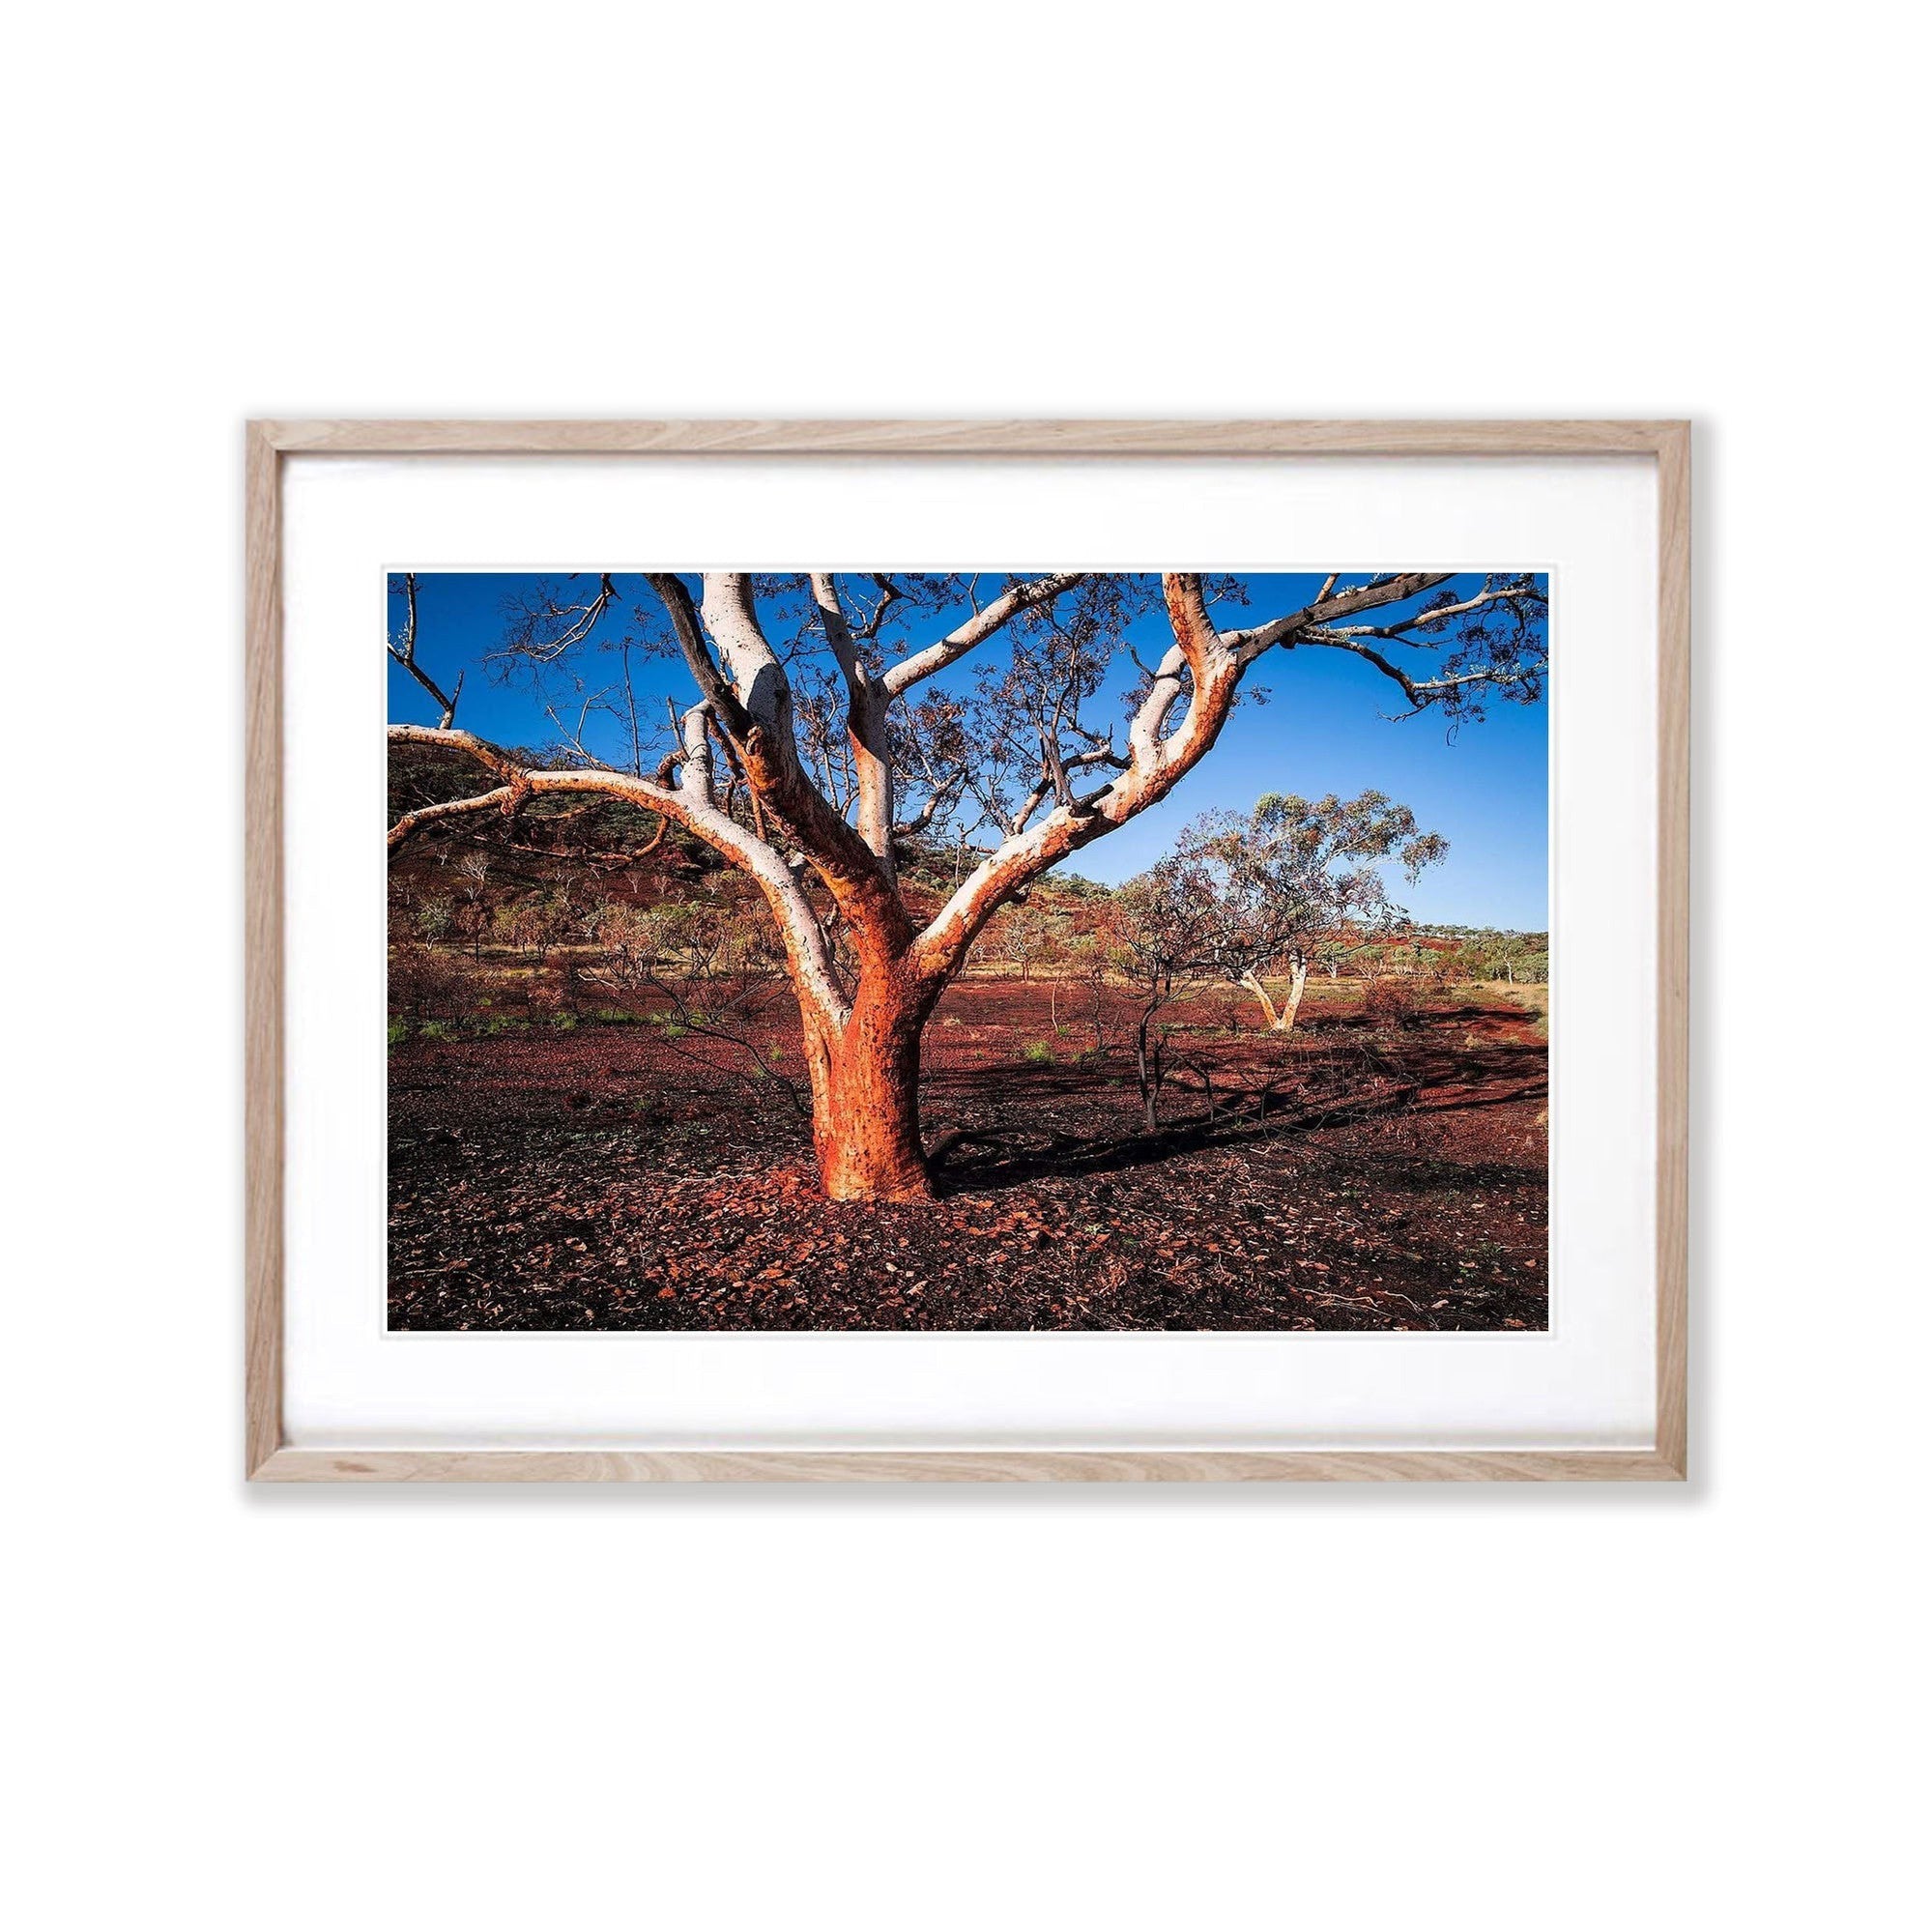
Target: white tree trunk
1280	1019
1293	1005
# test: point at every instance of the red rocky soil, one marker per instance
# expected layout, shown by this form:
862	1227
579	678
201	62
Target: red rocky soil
1367	1175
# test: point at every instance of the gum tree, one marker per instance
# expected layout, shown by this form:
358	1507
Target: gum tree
832	715
1297	878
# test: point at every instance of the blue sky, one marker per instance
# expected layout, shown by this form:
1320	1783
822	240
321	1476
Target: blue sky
1326	728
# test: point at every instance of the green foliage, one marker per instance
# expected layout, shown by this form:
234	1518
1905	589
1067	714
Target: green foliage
1032	933
1300	882
1037	1053
1519	959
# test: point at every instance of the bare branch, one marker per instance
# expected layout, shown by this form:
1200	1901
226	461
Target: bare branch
950	648
531	642
1154	767
1332	605
1421	692
488	755
697	776
1429	618
936	801
757	717
503	798
1054	784
838	632
763	688
865	722
691	807
690	635
889	594
403	650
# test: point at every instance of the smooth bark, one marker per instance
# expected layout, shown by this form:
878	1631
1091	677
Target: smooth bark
865	1098
1280	1019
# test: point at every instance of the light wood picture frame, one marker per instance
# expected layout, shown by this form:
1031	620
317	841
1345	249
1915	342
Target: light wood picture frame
270	1457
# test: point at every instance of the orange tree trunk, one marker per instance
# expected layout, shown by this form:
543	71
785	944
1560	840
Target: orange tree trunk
865	1099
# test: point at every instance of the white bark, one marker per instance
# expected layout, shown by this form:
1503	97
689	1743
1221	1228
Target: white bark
690	806
951	647
755	672
1280	1019
748	701
866	725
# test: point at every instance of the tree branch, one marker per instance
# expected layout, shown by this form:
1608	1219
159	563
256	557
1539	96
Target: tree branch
757	717
1155	766
1428	619
950	648
1421	692
503	798
698	659
690	806
1248	644
1049	784
404	653
865	725
763	689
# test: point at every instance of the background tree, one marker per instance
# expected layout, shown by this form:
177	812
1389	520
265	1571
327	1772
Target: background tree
1165	934
717	969
1027	936
815	740
1295	879
471	907
534	924
1089	965
1518	959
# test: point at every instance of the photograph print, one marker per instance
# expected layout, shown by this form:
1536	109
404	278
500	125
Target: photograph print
995	950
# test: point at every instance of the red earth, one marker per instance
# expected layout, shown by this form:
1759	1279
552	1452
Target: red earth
1370	1172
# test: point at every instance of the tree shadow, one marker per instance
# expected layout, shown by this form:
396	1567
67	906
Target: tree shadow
1244	1117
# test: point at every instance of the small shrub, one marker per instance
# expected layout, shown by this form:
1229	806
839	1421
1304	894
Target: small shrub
1038	1053
426	984
1390	1001
437	1029
398	1033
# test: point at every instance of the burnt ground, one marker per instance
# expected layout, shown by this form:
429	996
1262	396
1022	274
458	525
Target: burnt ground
1371	1173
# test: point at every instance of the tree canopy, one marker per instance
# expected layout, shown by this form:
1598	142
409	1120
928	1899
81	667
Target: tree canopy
833	716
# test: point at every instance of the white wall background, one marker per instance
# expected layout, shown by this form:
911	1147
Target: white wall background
1367	1710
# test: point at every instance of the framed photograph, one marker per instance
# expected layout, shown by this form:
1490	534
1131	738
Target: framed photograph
968	951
